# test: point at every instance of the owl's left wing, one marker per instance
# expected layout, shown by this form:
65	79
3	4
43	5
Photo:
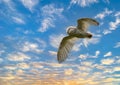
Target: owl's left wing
65	47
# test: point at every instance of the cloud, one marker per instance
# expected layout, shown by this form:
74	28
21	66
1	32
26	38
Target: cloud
11	13
49	14
83	3
82	56
30	4
87	63
103	14
37	65
107	61
115	24
97	53
55	40
117	14
93	40
117	45
77	46
46	23
53	53
108	54
18	57
18	20
117	68
10	67
23	66
33	47
1	52
1	60
68	71
107	31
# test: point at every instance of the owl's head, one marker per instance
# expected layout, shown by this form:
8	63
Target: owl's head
70	30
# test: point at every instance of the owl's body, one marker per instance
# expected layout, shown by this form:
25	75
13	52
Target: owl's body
74	33
78	33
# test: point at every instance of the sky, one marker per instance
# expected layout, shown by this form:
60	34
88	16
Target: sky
30	34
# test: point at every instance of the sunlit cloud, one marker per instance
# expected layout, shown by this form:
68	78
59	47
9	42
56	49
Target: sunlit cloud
68	71
107	61
117	68
18	57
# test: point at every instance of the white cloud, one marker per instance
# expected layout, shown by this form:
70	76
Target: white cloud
97	53
30	4
108	54
49	13
117	45
53	53
83	3
105	32
11	13
77	46
115	24
107	61
18	57
18	20
82	56
46	23
117	14
103	14
55	40
9	4
33	47
94	40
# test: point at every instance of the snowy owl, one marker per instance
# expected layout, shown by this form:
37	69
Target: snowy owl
74	34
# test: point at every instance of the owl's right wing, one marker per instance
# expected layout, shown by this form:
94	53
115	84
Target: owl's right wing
65	47
84	23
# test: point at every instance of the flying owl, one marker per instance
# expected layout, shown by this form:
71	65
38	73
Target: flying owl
74	34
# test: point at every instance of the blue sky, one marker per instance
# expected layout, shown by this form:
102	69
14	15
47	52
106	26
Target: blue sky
31	31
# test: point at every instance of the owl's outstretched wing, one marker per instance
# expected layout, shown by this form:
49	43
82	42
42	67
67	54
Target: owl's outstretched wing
84	23
65	47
